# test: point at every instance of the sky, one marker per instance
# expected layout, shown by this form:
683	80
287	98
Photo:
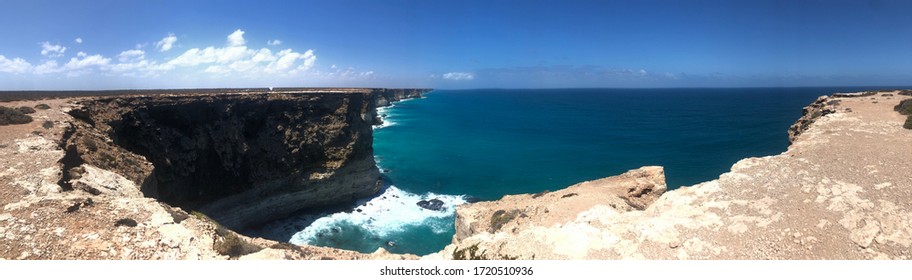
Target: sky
46	45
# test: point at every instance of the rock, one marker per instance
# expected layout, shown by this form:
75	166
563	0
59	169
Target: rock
855	94
432	204
125	222
821	107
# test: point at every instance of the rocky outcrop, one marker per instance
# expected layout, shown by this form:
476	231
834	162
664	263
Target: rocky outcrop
507	227
243	159
839	192
821	107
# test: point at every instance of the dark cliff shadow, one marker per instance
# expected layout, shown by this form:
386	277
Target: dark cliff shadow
283	229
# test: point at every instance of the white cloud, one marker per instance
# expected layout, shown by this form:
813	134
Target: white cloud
459	76
309	60
348	73
234	60
78	40
15	65
237	57
52	50
48	67
141	65
77	66
287	59
87	61
131	55
237	38
166	43
274	42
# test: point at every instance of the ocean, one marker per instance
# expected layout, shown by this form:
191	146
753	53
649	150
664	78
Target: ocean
464	145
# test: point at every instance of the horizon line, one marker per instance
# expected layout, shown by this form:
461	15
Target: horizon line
432	88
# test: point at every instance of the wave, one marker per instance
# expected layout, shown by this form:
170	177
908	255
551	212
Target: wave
379	220
384	114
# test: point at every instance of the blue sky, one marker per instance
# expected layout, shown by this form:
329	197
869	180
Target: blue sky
453	44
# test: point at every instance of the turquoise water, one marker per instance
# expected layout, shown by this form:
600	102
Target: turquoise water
456	145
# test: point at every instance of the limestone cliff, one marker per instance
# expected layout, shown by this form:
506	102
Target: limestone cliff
243	159
841	191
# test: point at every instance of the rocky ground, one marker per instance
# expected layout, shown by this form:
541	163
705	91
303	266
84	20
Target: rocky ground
843	190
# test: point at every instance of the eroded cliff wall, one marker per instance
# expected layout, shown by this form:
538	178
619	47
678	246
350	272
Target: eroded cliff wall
242	159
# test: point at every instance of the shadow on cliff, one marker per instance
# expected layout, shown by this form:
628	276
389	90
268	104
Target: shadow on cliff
242	160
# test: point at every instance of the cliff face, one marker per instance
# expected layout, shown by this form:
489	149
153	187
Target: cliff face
242	159
385	97
841	191
821	107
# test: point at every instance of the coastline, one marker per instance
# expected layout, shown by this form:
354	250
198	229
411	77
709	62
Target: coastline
829	196
835	198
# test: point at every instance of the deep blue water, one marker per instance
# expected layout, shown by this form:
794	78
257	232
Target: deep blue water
488	143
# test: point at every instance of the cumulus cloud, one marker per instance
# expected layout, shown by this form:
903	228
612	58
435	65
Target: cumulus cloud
237	57
234	58
15	65
49	50
85	61
81	64
166	43
78	40
237	38
274	42
459	76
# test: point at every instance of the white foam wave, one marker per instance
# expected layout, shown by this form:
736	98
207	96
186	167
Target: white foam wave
393	211
383	114
385	123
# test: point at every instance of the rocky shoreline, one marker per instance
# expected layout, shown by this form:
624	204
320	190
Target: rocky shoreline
168	176
841	191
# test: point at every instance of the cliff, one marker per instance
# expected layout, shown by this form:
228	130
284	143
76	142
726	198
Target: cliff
841	191
170	175
242	159
386	97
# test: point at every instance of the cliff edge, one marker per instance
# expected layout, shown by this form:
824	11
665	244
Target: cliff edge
172	175
841	191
